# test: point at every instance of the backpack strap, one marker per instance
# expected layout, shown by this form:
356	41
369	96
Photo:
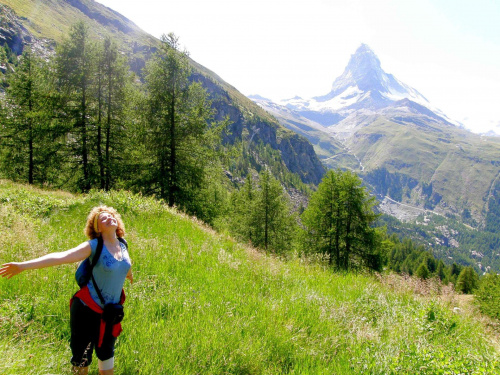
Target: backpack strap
98	251
123	241
98	291
100	244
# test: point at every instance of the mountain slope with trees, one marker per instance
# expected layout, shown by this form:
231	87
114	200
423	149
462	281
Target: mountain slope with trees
49	21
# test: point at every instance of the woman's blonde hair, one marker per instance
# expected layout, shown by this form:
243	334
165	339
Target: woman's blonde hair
90	230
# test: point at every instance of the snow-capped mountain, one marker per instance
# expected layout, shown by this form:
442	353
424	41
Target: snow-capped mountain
362	85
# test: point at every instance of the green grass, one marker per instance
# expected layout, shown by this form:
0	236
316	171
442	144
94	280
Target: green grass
204	304
53	19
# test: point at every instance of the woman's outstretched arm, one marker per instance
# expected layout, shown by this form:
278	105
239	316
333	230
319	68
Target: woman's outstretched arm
76	254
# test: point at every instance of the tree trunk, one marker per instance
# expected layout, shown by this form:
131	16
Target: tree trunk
99	131
347	243
108	132
31	152
331	247
337	236
30	126
172	186
83	125
266	217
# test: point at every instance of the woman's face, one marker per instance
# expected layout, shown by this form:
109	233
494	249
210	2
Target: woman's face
107	222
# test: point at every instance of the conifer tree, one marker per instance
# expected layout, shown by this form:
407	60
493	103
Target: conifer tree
454	272
272	222
440	270
488	295
177	113
29	136
423	271
323	219
112	87
467	280
246	208
338	222
75	64
242	209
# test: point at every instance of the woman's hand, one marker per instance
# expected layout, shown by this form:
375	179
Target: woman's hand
76	254
11	269
130	276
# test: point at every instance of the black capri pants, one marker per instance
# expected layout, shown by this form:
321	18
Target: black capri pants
85	325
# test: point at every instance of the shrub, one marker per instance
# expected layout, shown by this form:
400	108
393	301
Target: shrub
488	296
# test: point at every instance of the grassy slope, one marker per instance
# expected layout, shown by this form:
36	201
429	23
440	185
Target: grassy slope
53	19
202	303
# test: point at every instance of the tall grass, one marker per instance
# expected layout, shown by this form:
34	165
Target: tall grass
203	304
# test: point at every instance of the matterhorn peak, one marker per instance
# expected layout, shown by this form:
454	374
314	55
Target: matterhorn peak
362	85
363	48
363	70
363	60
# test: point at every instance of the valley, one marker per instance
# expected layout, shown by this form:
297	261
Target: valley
409	154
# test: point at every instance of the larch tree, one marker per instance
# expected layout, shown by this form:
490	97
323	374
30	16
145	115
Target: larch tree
467	281
487	295
242	208
339	222
112	86
272	221
29	136
423	272
75	67
323	219
177	116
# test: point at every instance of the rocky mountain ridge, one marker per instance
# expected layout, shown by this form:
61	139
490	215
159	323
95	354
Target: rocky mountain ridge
362	85
15	35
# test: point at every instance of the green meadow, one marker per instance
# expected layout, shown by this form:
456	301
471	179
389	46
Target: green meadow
202	303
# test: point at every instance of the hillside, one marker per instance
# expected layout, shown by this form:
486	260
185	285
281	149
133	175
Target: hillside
52	19
440	182
202	303
420	164
43	23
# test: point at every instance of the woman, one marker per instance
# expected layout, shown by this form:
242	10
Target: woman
88	328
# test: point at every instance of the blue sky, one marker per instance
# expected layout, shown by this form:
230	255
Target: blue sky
448	50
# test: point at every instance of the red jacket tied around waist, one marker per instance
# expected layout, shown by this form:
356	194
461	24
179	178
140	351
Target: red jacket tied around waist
84	295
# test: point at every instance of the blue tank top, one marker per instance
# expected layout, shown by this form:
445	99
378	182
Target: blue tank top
109	274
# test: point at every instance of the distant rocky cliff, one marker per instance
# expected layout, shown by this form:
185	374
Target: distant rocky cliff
16	36
296	151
